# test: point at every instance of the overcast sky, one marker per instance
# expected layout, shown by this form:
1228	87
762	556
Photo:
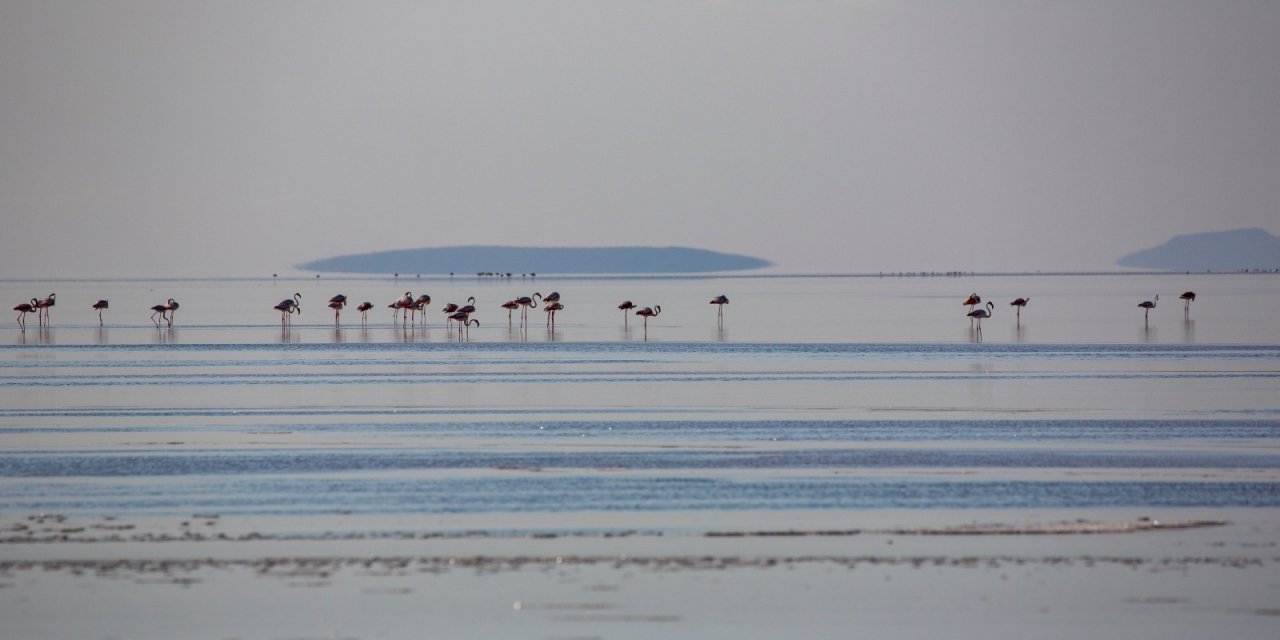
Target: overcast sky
210	138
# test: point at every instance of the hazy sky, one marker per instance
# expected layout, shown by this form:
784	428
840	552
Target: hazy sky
177	138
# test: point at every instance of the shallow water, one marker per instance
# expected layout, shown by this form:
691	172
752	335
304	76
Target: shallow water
814	393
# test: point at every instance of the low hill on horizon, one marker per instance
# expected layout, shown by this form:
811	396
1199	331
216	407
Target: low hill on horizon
504	259
1236	250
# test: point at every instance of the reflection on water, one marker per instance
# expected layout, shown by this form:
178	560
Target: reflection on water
1189	331
1149	334
1020	334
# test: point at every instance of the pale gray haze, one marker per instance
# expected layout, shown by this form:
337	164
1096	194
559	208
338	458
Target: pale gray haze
240	138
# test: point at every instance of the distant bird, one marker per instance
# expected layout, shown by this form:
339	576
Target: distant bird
626	306
288	307
25	308
979	314
99	306
337	303
1188	296
42	308
720	301
1147	306
551	310
510	305
1020	303
364	311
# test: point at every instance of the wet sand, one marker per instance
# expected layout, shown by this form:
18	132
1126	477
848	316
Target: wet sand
883	573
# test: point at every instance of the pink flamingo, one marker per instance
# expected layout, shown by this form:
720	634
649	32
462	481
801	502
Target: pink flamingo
25	308
364	312
288	307
42	308
626	306
551	310
720	301
99	306
1020	303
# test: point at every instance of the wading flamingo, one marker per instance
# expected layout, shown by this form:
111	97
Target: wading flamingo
1147	306
364	312
1020	303
99	306
1188	296
626	306
161	309
420	304
525	303
25	308
720	301
551	310
510	305
288	307
466	320
42	308
984	312
171	306
337	303
646	313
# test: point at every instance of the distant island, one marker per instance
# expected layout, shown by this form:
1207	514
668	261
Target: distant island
575	260
1237	250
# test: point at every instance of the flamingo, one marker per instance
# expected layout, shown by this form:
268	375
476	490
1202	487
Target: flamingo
510	305
1147	306
364	311
421	305
171	306
402	306
720	301
554	296
981	313
525	302
626	305
972	301
25	308
648	312
42	308
1020	303
99	306
288	307
466	320
449	309
160	309
470	306
337	303
1188	296
551	310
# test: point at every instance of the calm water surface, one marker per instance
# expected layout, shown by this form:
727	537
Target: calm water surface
814	393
